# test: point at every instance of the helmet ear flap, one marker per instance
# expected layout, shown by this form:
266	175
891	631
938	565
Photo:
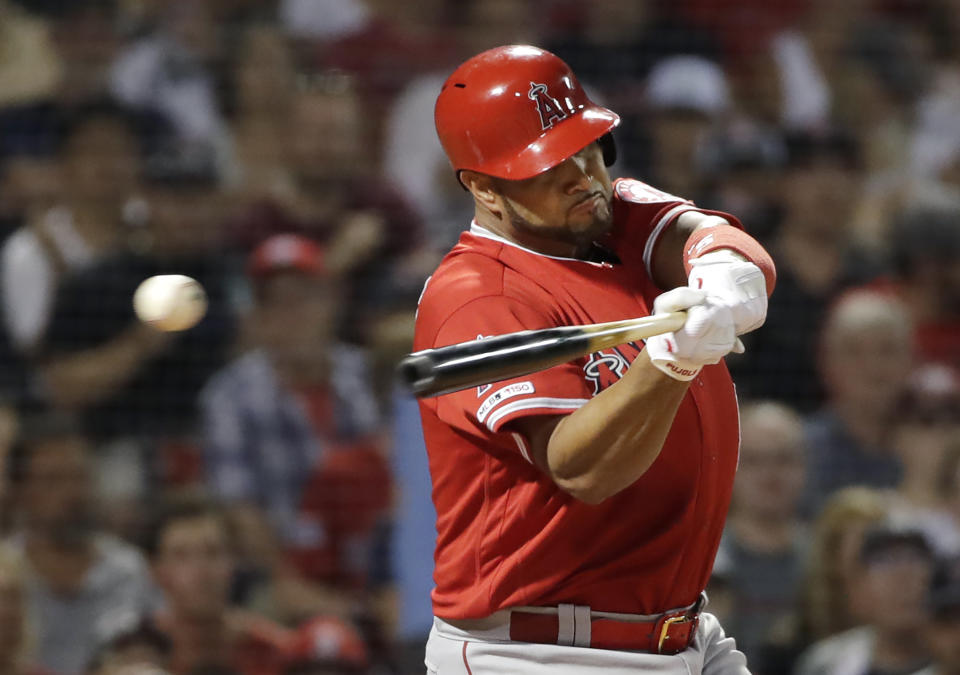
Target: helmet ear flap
609	148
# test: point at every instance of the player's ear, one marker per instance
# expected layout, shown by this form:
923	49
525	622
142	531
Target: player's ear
483	189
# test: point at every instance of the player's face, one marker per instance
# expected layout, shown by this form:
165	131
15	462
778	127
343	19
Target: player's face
572	202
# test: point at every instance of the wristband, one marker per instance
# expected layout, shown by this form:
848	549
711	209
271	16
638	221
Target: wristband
707	239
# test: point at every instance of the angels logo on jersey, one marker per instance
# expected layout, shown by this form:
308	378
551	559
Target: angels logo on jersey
606	367
548	107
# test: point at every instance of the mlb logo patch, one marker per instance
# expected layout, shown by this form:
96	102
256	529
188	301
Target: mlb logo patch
501	395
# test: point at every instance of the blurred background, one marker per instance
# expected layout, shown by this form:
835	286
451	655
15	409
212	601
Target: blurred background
251	496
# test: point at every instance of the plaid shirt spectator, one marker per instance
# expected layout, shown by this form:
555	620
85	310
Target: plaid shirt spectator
261	440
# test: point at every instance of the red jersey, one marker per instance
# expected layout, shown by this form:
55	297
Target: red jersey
507	534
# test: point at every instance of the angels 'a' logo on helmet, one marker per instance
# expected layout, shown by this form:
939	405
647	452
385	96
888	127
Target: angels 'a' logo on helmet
548	107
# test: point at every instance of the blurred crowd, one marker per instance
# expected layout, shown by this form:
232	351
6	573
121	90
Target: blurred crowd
250	496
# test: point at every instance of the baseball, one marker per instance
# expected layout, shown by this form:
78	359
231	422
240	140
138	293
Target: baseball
170	302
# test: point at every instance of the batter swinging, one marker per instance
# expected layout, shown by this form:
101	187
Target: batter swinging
579	508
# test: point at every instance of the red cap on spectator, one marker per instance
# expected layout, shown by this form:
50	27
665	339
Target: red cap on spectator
326	640
284	252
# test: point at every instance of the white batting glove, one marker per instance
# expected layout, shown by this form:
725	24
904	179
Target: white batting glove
706	337
733	282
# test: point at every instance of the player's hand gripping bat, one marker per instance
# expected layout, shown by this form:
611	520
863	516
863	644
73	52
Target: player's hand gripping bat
432	372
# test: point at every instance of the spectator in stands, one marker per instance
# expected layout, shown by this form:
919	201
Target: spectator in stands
883	73
76	264
894	569
101	151
370	233
87	37
944	629
373	228
139	648
290	427
326	646
810	58
830	569
926	432
191	551
264	79
80	579
878	85
832	564
16	653
761	554
818	193
686	97
384	45
926	256
866	355
126	379
132	387
170	72
742	164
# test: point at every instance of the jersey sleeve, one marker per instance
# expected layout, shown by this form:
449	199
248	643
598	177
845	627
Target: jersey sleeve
488	408
642	213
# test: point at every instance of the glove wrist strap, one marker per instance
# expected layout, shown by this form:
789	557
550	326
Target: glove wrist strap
676	370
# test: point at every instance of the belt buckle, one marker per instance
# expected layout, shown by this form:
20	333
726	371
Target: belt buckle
669	621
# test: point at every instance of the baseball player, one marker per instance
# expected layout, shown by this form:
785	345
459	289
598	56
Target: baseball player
579	508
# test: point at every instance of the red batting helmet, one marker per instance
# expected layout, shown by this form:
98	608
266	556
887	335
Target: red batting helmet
516	111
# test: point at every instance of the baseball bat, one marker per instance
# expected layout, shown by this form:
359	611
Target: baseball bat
432	372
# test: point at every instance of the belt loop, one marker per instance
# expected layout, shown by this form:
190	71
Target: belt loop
566	628
581	626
